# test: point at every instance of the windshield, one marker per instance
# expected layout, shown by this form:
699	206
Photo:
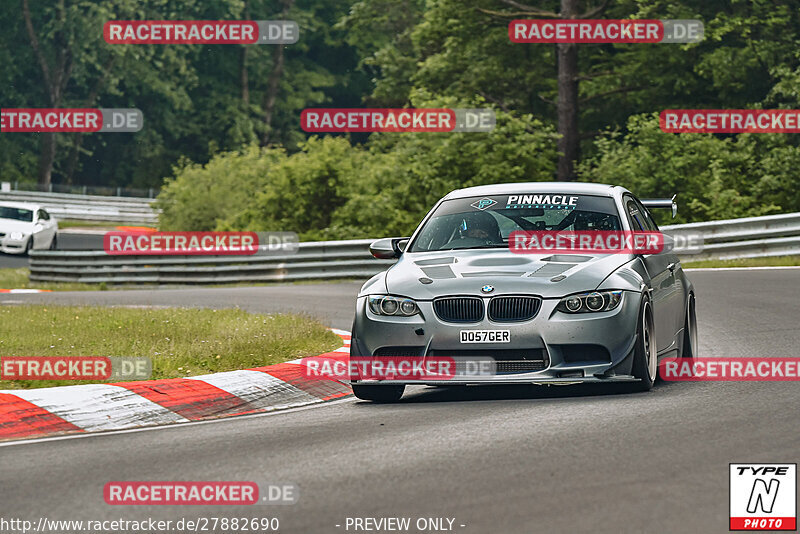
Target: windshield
17	214
486	222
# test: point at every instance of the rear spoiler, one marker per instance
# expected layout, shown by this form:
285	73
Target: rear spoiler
668	203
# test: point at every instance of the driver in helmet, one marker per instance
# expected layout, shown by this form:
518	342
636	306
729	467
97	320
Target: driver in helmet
481	226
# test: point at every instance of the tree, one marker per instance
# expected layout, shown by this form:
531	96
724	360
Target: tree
75	64
55	75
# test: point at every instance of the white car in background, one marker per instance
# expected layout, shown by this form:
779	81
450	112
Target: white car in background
25	227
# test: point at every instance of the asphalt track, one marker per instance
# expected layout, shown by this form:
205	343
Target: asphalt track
527	459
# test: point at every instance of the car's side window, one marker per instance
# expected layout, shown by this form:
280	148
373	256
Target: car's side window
647	218
634	215
43	215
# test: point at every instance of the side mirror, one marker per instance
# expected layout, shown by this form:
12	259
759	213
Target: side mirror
388	248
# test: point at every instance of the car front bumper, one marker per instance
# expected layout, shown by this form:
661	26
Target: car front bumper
570	348
13	246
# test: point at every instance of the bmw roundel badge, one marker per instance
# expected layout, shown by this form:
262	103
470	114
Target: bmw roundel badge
487	289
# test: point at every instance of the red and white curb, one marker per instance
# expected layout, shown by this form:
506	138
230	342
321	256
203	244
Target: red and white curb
99	407
25	290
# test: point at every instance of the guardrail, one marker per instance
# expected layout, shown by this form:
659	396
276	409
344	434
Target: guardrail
78	189
63	206
312	261
774	235
751	237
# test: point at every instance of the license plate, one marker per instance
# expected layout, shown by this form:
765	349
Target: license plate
485	336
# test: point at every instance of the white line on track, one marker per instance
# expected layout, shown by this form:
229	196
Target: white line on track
705	269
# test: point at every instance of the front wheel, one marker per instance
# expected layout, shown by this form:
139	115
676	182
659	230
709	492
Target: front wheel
54	243
645	359
380	394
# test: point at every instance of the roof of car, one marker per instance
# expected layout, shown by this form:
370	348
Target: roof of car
535	187
20	205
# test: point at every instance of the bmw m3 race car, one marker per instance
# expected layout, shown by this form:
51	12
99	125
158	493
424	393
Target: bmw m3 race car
463	291
25	227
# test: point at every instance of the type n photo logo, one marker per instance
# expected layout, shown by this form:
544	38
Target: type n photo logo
763	497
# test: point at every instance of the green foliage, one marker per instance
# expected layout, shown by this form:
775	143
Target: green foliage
409	172
192	97
715	177
203	121
200	196
302	191
334	190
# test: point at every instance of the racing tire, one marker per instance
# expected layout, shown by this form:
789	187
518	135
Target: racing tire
645	358
54	243
689	348
28	246
379	394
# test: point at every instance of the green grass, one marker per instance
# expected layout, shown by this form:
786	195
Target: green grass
777	261
18	279
181	342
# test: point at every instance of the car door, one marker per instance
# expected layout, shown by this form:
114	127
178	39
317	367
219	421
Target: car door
675	296
660	269
46	229
52	227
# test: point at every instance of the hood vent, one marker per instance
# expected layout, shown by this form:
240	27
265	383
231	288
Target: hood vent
476	274
566	258
499	262
438	272
436	261
552	269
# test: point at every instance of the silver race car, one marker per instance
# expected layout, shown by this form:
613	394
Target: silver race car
460	292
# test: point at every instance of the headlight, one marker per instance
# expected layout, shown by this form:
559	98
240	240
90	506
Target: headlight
388	305
16	236
594	301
